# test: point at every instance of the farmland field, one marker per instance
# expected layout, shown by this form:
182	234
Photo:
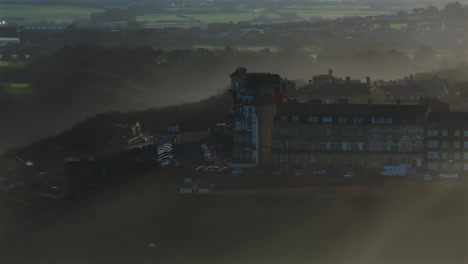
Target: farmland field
38	13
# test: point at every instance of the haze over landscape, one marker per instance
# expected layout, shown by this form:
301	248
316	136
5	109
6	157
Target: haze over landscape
330	131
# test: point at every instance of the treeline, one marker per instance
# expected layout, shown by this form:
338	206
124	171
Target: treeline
96	134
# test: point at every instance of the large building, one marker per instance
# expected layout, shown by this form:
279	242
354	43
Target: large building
446	142
256	98
314	135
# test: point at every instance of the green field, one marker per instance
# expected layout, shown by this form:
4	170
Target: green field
14	64
38	13
18	88
243	48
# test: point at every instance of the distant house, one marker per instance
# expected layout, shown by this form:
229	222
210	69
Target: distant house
8	35
410	91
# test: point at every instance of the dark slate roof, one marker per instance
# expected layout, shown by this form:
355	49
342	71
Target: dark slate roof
448	119
340	89
429	88
410	113
8	32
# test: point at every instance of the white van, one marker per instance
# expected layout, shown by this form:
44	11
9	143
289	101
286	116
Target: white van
393	171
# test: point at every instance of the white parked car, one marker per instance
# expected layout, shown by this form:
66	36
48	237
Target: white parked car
299	173
349	174
238	171
320	172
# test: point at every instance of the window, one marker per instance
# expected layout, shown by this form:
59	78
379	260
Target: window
342	120
432	132
444	144
456	144
456	133
282	145
465	133
345	146
284	131
419	146
328	145
360	146
313	159
465	166
327	119
465	155
375	146
444	166
361	132
465	144
444	155
298	131
295	145
312	146
404	132
432	166
283	118
313	131
358	120
313	119
382	120
298	159
432	144
444	133
389	132
375	132
295	119
283	157
389	147
392	97
405	146
345	132
456	155
328	131
433	155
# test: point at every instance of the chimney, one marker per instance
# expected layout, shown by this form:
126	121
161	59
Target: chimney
330	73
368	81
348	79
310	83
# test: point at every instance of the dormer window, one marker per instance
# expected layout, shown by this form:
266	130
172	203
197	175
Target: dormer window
327	119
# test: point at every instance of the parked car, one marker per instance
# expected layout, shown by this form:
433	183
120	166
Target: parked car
320	172
299	173
224	169
449	175
200	168
215	169
238	171
278	173
54	189
208	168
349	174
